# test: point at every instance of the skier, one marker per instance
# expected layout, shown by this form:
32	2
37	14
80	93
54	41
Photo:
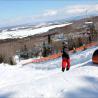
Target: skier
65	58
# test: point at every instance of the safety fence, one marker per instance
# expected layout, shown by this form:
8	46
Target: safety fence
55	56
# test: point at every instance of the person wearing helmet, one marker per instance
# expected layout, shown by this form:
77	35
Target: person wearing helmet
65	57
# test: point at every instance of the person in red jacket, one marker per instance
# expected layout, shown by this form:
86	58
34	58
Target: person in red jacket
65	58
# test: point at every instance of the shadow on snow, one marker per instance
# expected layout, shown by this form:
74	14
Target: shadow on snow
6	95
90	91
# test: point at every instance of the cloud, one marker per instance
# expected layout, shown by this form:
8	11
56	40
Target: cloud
75	9
45	14
51	14
78	9
96	7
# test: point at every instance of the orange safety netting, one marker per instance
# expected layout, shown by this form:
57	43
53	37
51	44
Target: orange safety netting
54	56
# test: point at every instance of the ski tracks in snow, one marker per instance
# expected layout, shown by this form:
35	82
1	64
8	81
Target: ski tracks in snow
55	72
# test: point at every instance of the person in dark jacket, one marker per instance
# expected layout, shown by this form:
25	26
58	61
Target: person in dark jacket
65	58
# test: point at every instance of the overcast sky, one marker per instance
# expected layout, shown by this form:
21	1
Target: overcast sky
25	11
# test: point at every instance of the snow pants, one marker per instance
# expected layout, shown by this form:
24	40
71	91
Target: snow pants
65	64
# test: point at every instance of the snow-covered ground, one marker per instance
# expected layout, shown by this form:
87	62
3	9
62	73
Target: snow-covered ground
28	32
76	58
81	81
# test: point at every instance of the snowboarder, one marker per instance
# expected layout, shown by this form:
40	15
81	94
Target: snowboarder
65	58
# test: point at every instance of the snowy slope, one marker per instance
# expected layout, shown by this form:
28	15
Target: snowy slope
28	32
81	81
76	58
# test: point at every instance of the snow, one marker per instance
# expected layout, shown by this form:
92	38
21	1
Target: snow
76	58
81	81
88	22
28	32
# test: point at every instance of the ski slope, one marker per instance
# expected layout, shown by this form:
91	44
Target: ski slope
76	58
81	81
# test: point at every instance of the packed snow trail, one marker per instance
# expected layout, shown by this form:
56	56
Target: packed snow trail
28	81
53	73
80	82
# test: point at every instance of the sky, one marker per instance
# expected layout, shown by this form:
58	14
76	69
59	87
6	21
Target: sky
13	12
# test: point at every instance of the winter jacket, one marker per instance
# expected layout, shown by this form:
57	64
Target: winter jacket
65	53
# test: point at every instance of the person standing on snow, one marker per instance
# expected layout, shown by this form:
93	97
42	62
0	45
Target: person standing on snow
65	58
